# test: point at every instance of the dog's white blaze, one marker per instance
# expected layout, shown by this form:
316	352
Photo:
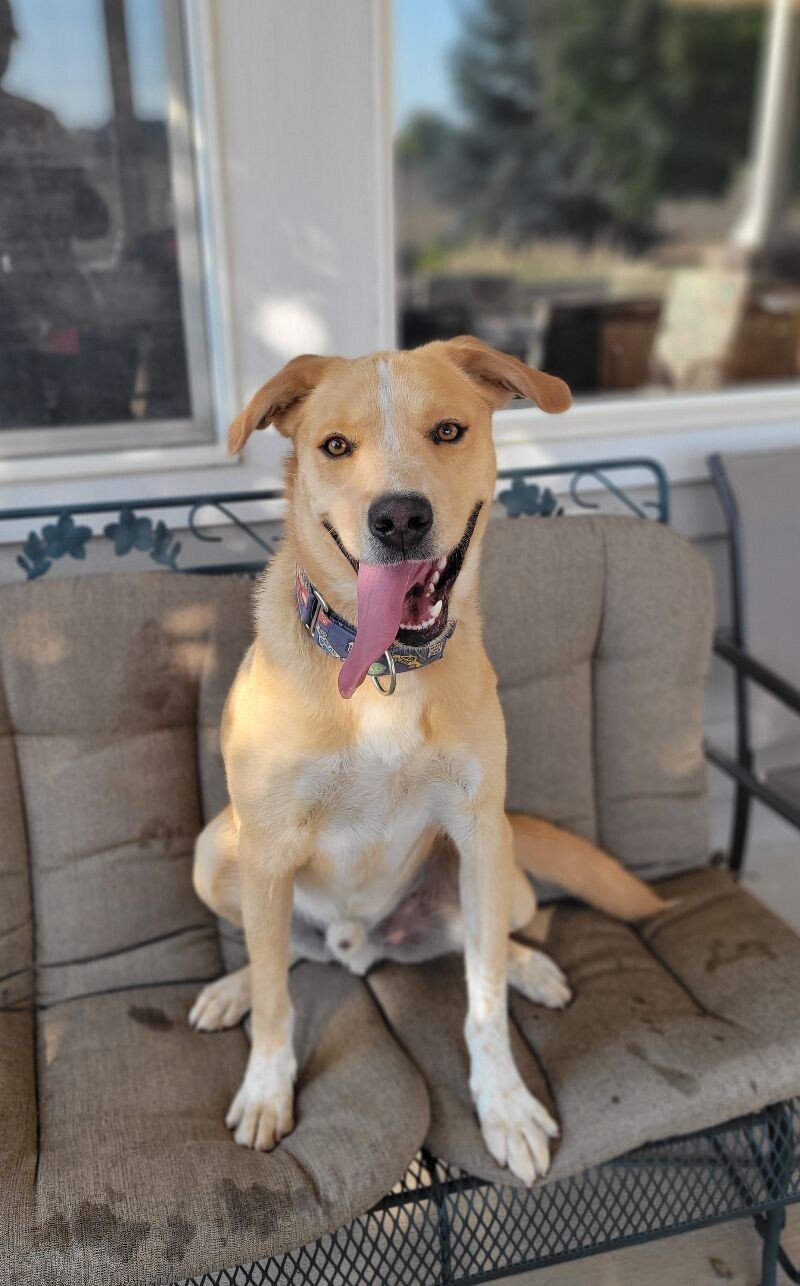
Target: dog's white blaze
385	402
392	449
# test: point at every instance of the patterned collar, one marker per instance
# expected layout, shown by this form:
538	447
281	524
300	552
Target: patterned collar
335	636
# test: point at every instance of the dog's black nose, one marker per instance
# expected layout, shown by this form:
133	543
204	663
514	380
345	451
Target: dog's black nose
400	519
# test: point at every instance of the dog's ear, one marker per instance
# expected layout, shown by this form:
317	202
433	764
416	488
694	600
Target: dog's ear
275	400
502	377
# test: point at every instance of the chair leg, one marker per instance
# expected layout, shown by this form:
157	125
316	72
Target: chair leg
741	819
770	1227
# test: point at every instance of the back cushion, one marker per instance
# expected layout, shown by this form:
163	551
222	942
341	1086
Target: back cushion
600	631
113	686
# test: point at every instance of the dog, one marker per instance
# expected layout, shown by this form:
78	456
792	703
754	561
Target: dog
363	738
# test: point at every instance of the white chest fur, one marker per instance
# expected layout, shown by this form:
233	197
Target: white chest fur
380	801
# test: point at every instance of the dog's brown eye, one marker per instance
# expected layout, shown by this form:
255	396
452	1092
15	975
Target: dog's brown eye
448	431
336	446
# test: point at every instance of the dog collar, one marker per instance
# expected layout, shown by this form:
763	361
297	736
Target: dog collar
336	637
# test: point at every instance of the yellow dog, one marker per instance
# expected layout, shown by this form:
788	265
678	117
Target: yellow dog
364	825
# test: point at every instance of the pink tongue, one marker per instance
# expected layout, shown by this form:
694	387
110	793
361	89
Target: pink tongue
381	591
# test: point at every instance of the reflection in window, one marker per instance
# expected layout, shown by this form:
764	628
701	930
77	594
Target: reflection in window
602	187
91	327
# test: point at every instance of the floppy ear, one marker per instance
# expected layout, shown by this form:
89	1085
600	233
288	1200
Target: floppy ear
277	398
502	377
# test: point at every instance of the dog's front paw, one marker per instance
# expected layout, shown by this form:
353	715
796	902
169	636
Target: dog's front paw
517	1128
262	1112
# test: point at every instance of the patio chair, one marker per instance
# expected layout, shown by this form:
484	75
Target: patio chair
759	496
675	1072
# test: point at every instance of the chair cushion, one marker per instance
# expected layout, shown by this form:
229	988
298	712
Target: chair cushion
684	1023
139	1180
600	629
117	1166
110	700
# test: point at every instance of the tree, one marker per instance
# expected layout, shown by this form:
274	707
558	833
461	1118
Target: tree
582	114
508	171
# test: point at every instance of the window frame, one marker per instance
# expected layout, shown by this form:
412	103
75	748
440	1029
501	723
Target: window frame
193	139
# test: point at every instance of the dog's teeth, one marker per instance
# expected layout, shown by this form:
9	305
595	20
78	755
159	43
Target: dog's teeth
431	587
436	610
442	563
434	579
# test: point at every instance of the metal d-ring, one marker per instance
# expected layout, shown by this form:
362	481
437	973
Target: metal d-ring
387	692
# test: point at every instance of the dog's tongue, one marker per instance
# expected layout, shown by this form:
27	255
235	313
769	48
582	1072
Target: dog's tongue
381	591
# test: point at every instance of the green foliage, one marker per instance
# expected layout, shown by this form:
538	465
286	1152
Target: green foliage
651	100
579	115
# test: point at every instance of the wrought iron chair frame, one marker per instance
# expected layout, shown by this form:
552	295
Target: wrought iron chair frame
730	644
439	1225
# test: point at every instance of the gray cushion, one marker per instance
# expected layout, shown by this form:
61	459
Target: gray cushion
110	698
111	689
688	1022
600	630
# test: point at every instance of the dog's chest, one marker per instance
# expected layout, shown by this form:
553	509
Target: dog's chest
376	805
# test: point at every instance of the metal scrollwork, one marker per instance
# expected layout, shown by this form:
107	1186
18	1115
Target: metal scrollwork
524	496
528	492
130	532
530	499
56	540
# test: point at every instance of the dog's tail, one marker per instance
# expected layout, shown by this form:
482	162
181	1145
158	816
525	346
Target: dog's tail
581	869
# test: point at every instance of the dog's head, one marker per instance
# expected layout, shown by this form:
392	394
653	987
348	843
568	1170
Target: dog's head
391	477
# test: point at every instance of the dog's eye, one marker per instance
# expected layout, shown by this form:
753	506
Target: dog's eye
336	446
448	431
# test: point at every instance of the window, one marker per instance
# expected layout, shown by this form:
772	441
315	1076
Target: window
101	316
607	188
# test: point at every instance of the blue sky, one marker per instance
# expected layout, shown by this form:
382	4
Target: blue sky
424	30
60	59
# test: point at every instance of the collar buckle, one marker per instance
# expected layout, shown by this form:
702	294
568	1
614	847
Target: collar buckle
319	606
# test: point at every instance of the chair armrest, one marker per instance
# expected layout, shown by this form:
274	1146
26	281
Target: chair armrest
753	669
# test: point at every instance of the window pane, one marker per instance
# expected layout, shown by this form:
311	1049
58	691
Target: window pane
91	313
584	184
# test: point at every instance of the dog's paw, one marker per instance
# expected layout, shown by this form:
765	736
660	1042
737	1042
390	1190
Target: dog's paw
223	1003
537	977
517	1129
262	1112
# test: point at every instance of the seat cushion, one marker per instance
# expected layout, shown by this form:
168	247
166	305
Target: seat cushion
686	1022
138	1178
116	1164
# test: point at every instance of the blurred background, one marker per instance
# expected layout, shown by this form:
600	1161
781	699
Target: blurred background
601	188
610	190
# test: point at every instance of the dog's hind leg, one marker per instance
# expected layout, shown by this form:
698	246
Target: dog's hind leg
536	976
531	972
222	1003
215	873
